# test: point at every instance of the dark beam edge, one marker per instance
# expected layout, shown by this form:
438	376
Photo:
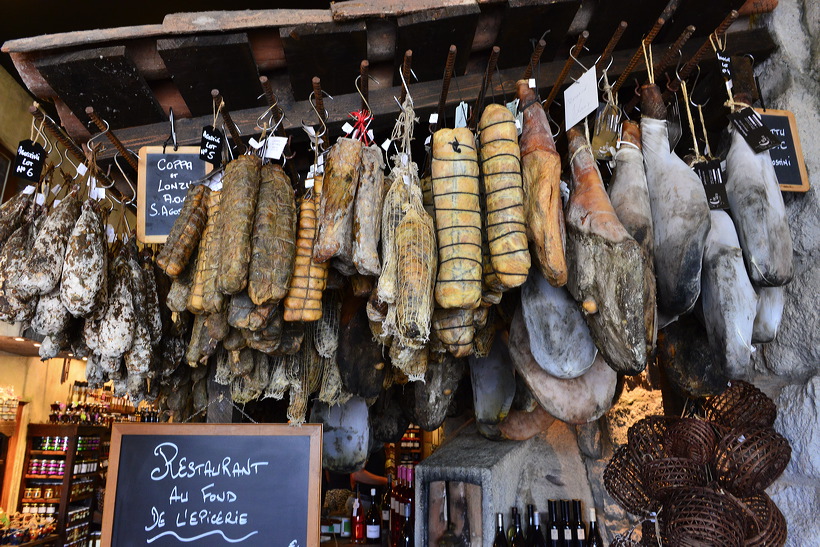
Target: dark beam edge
425	96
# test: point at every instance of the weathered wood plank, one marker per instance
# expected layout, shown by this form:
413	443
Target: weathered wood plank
359	9
104	78
331	51
225	21
201	63
81	38
425	95
430	33
527	21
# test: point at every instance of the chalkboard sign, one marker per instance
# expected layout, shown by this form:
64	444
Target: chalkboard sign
787	158
164	178
213	484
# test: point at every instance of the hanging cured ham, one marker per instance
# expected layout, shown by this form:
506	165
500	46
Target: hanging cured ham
770	304
680	212
606	265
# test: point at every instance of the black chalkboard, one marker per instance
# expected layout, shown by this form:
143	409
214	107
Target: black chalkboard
787	158
213	484
164	178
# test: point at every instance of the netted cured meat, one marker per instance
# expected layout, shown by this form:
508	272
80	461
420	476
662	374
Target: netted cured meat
505	216
455	329
240	189
83	286
186	231
204	284
304	299
541	171
367	214
334	231
177	299
458	218
12	213
392	214
274	233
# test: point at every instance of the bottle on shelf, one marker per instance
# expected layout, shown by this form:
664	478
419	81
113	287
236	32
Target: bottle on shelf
554	537
357	520
373	521
500	534
511	527
398	508
518	533
409	490
535	538
407	536
566	527
387	505
594	536
579	535
530	519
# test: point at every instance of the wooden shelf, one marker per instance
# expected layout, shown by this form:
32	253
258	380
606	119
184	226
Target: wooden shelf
40	500
45	477
47	452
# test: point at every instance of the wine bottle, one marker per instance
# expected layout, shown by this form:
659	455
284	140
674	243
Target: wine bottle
387	504
407	535
398	512
536	537
357	520
518	534
554	535
511	529
530	520
578	529
595	539
373	521
410	492
500	534
566	529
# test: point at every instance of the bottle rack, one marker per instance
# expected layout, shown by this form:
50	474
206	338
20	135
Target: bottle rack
61	473
410	447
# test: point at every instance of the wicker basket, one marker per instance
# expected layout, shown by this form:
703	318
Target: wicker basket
623	481
748	460
741	404
767	528
662	476
646	438
649	532
692	438
701	516
624	541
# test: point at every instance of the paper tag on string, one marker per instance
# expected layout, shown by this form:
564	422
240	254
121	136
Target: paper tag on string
255	144
580	98
215	183
404	159
100	191
28	190
28	163
55	203
210	145
461	114
82	169
309	182
276	145
428	140
370	134
712	178
531	83
56	189
386	145
39	199
725	65
512	106
751	127
347	129
433	118
406	180
110	233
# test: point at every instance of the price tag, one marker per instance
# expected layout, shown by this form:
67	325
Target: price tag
55	203
276	145
580	98
210	145
110	233
461	114
347	128
406	180
433	118
712	178
100	193
519	116
531	83
428	140
725	65
309	183
386	145
39	199
751	127
28	190
28	163
255	144
56	189
370	134
215	183
82	169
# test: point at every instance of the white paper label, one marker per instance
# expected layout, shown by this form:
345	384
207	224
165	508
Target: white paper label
82	169
434	117
581	534
56	202
56	189
255	144
28	190
100	193
276	145
531	83
406	180
215	183
110	233
386	145
427	140
370	134
374	531
554	535
567	535
512	106
404	159
309	182
461	114
580	98
39	199
347	128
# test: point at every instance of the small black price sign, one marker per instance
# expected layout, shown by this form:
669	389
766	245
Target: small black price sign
725	65
712	178
28	163
751	127
210	147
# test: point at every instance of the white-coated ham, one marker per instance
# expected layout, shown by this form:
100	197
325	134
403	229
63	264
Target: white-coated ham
680	211
728	299
559	338
759	214
770	304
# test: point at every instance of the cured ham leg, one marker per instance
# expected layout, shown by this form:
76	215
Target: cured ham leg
770	304
759	214
541	170
606	265
630	199
680	212
728	299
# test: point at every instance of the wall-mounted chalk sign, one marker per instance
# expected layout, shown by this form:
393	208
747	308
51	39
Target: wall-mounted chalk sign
213	484
163	182
787	158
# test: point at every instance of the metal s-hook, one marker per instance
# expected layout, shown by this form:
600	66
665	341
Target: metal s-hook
99	135
359	90
406	90
173	136
48	146
692	92
574	58
127	180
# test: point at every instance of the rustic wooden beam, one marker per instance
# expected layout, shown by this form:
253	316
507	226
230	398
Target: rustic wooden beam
425	96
